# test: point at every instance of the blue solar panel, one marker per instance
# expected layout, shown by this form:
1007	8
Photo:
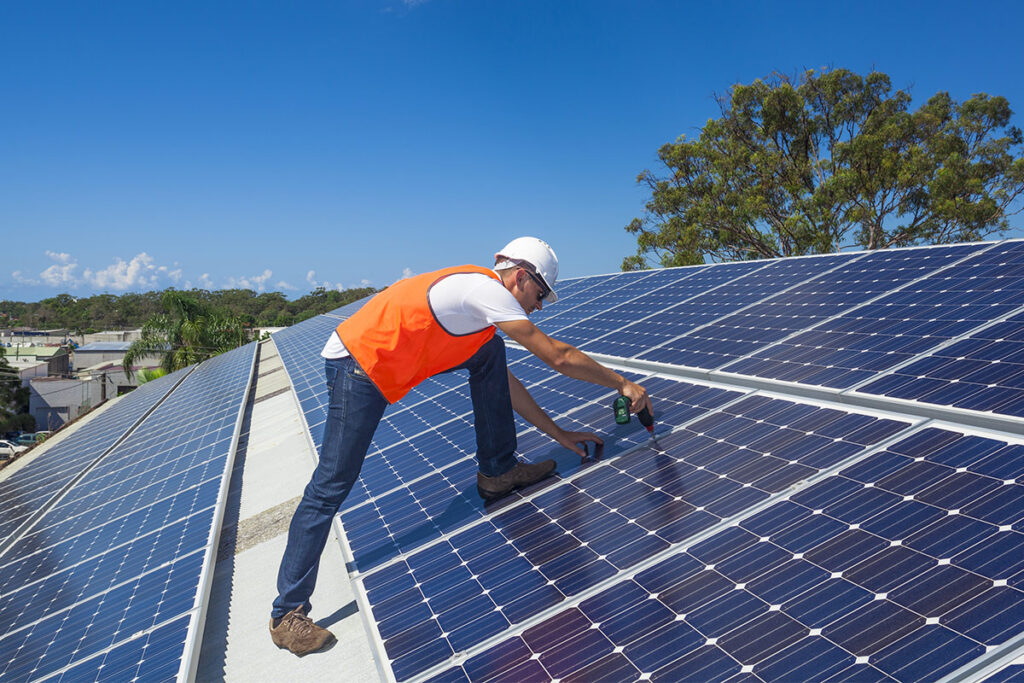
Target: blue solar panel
1014	673
983	372
849	579
441	495
153	656
31	487
536	554
857	345
619	325
348	309
772	537
685	326
106	575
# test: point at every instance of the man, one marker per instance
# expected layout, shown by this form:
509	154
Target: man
416	328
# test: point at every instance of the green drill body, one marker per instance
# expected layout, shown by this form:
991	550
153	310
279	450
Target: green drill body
621	407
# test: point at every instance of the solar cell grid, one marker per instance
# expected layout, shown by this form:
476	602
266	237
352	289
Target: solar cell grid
798	591
348	309
88	628
601	297
574	535
421	506
801	601
984	372
28	489
155	656
616	322
123	550
682	333
893	328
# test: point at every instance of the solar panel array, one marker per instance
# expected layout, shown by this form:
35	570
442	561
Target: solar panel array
28	489
109	581
804	514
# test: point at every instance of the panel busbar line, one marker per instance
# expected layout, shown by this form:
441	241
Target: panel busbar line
128	550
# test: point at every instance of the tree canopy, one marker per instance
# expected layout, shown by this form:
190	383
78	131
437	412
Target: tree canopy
829	160
187	332
13	400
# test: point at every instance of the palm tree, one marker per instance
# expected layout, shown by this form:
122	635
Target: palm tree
187	332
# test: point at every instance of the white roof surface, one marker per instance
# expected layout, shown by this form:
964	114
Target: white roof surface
273	464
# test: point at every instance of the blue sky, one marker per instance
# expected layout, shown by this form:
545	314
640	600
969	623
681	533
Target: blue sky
280	146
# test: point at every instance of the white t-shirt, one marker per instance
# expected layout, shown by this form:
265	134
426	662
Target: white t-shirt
463	303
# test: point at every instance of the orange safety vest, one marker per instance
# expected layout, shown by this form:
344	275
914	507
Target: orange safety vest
398	341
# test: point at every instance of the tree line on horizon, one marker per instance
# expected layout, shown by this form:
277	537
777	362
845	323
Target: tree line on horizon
86	315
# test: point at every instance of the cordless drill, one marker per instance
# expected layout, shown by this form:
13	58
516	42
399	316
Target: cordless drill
621	407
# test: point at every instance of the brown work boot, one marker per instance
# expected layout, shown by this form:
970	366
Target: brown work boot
523	474
298	633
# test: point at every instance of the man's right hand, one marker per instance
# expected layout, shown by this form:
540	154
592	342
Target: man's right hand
637	396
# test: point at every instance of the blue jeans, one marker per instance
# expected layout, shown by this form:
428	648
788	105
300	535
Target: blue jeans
355	408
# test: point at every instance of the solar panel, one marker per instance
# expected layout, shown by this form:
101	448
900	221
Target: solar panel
29	489
112	578
561	542
653	327
1013	673
983	371
857	577
892	328
804	517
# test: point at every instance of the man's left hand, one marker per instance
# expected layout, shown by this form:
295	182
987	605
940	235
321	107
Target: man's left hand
572	441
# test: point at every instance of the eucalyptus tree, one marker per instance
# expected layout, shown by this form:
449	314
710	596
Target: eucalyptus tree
825	161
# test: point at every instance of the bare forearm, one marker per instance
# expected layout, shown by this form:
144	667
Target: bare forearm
524	404
528	409
574	363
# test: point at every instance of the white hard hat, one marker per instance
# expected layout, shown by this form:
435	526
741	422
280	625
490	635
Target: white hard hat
538	254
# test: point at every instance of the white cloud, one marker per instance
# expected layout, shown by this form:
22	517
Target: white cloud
61	257
122	275
19	277
62	272
326	284
141	272
406	273
256	282
174	275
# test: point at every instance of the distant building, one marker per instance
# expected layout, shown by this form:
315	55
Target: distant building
100	352
111	336
56	400
28	367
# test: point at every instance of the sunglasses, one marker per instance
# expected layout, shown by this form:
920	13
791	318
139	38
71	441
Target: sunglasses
544	289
